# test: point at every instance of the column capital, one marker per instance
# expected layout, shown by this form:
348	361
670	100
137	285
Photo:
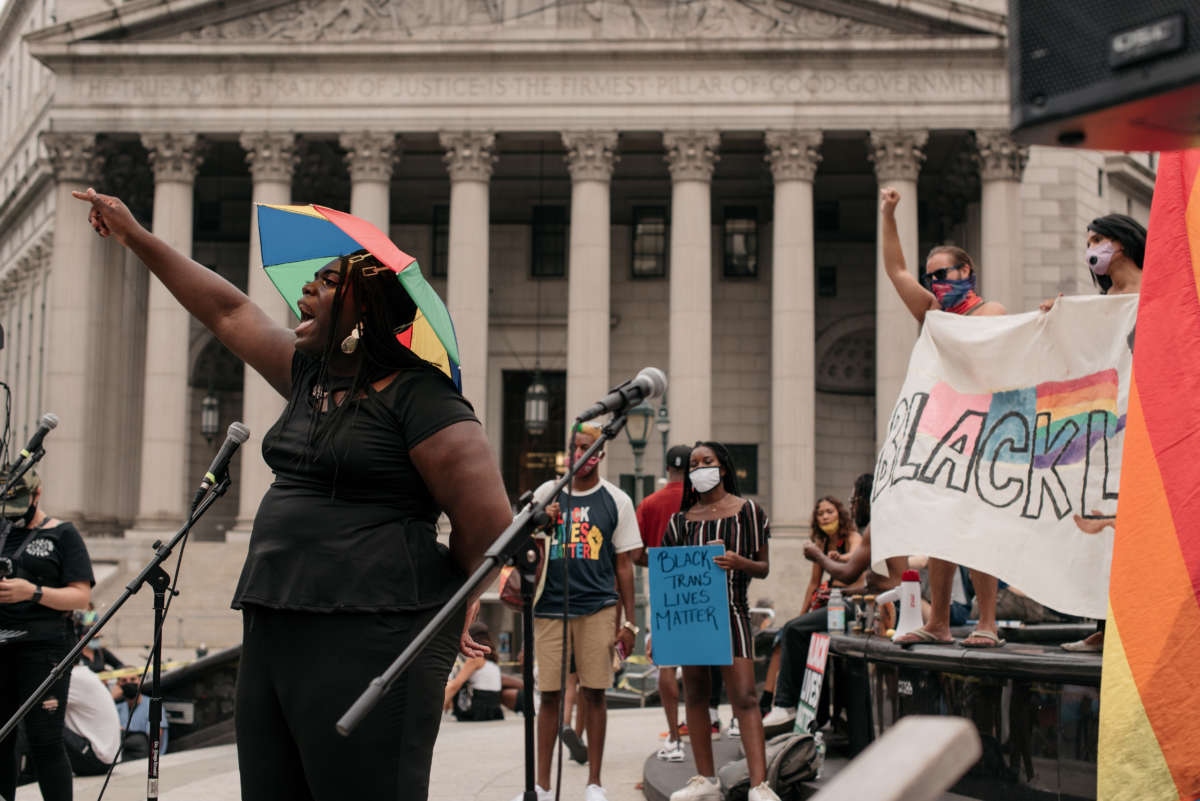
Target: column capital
469	154
691	155
793	154
174	156
370	155
73	156
1000	157
897	154
590	154
271	156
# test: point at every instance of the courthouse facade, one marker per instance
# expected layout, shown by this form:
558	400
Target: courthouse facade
593	187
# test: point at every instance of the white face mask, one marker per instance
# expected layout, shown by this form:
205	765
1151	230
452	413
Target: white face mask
705	478
1099	257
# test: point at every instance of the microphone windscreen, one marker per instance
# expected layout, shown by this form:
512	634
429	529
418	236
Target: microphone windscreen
657	381
238	432
49	420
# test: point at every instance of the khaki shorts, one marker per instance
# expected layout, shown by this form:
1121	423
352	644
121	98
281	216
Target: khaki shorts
592	642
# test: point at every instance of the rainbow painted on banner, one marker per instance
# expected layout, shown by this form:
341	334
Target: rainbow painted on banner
1054	405
1150	708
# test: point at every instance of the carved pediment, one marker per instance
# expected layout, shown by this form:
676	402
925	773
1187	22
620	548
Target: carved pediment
471	20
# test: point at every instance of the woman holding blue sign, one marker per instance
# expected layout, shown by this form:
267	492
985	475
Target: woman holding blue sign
712	512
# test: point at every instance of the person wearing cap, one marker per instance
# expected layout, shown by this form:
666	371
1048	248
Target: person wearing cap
344	566
653	514
51	576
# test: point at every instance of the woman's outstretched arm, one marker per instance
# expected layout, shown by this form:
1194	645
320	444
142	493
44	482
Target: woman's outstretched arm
220	306
916	298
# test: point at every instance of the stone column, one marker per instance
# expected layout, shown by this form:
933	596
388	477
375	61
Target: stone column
272	158
469	159
590	159
1001	163
162	494
371	155
74	336
897	156
691	156
793	156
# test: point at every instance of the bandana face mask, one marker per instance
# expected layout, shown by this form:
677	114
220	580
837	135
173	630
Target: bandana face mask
831	527
1099	257
950	292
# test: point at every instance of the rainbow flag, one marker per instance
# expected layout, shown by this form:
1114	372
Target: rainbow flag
1150	705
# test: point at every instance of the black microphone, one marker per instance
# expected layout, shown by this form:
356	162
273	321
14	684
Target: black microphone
649	383
238	433
49	420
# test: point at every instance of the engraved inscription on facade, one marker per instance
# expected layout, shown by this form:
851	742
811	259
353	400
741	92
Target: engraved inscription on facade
438	89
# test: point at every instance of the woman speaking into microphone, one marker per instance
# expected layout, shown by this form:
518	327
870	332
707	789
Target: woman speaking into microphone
344	567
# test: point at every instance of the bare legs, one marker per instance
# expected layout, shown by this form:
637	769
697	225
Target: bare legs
668	690
739	686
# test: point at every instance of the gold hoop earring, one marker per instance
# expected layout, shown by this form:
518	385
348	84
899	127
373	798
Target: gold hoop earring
350	343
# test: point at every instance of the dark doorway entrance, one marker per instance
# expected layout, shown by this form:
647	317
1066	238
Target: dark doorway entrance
526	461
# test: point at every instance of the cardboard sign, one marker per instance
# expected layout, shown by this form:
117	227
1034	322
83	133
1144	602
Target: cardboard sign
814	679
689	605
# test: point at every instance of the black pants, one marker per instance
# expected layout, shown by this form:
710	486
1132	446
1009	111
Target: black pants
84	761
794	640
300	672
24	666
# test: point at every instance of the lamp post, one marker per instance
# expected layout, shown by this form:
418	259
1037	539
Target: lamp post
662	424
637	428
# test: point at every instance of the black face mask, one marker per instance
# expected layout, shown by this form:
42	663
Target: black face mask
129	690
24	520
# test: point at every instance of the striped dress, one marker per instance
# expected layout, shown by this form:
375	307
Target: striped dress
745	534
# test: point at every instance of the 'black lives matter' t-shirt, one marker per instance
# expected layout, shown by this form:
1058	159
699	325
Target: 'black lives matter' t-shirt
353	528
55	557
592	528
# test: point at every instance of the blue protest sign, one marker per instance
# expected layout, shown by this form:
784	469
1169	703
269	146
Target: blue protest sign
689	605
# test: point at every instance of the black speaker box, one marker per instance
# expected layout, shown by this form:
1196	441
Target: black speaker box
1105	74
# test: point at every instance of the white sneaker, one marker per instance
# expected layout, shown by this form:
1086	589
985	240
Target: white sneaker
672	751
735	728
542	795
595	792
698	788
779	716
762	792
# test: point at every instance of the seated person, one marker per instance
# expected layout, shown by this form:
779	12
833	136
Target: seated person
473	693
796	633
133	709
92	733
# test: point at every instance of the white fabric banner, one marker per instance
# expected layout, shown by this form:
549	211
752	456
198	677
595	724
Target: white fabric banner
1004	448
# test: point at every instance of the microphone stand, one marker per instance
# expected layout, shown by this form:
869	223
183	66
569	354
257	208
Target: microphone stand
159	581
513	547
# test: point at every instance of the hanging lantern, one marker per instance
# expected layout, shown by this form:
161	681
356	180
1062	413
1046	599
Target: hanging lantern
537	406
210	416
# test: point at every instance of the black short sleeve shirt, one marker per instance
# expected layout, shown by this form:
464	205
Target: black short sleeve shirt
351	526
54	557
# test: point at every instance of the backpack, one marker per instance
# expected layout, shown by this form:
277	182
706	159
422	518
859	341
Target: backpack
791	760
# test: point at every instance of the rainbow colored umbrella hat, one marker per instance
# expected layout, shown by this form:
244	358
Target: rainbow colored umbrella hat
297	241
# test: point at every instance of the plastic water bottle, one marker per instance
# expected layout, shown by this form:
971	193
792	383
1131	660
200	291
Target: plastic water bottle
835	612
819	739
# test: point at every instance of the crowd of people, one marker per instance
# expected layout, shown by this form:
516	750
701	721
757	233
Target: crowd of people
374	444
